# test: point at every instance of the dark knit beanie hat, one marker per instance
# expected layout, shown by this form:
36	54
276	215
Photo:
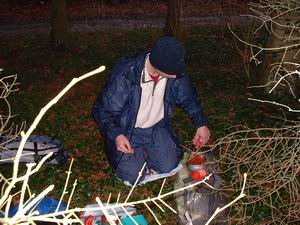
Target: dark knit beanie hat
168	56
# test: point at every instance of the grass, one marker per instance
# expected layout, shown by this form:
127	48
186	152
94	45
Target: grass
42	73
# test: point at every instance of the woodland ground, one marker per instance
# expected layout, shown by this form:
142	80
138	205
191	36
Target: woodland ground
17	11
214	68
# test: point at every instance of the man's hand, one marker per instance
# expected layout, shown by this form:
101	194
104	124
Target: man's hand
203	133
123	144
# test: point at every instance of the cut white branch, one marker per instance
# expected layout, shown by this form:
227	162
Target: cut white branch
42	113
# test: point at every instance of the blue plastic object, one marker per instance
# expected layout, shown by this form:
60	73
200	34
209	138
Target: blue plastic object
140	219
45	206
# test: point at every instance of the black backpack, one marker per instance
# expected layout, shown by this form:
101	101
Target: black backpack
36	147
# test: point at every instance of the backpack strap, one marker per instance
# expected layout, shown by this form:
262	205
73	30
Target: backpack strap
36	156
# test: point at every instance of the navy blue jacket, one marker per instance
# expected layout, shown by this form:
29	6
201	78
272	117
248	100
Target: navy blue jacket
117	105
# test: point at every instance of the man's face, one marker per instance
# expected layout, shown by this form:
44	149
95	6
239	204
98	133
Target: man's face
155	72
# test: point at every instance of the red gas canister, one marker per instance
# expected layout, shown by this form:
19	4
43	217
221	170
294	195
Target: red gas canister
196	175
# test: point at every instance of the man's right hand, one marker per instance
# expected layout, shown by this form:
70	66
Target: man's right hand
123	144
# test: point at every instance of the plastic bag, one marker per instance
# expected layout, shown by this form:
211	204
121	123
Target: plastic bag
201	203
93	215
45	206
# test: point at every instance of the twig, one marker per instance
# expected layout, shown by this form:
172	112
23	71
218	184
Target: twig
275	103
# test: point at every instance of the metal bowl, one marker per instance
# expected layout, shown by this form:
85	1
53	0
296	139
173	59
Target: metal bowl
193	167
197	162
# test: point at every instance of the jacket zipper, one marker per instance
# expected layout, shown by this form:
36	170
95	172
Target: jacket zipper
134	120
154	86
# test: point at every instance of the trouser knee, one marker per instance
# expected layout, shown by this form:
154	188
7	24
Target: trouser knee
129	175
167	166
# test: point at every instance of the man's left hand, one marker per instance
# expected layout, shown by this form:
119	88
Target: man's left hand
203	133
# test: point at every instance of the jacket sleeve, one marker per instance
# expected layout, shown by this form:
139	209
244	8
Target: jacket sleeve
188	99
109	105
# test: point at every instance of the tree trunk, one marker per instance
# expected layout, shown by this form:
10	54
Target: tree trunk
172	26
59	24
278	63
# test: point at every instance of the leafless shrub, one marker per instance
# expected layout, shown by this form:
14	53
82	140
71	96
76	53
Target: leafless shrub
271	157
8	85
